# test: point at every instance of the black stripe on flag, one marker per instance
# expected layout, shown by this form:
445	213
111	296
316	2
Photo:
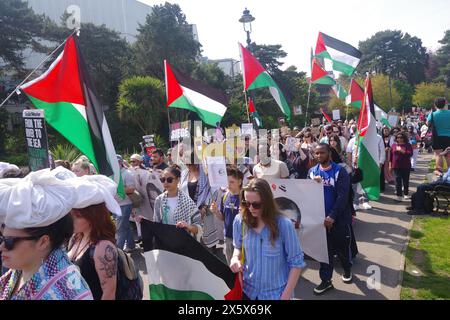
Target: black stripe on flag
170	238
94	114
341	46
197	86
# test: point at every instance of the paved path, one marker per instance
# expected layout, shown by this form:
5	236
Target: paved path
381	234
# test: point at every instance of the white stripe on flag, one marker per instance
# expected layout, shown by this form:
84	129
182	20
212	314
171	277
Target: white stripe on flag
342	57
182	273
203	102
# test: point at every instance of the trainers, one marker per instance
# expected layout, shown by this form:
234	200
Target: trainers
347	277
399	198
406	197
356	207
366	206
323	287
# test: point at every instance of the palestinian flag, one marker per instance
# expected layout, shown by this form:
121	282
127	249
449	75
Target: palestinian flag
339	91
254	113
255	76
368	153
345	57
183	92
320	75
326	116
180	268
355	98
66	94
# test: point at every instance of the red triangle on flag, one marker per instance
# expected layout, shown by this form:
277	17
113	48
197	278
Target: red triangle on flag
364	115
326	116
251	106
173	88
252	67
320	46
317	71
236	292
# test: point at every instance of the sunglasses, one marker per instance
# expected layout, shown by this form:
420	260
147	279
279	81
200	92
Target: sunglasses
255	205
169	180
10	242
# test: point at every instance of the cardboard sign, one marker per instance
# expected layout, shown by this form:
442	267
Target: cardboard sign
36	138
393	119
217	172
247	129
180	130
298	110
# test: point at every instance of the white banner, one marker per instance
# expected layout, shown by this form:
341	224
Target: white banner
217	172
303	202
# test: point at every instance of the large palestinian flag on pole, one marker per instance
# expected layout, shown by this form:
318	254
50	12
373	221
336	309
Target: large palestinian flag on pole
183	92
320	76
66	94
180	268
345	57
368	152
355	98
255	76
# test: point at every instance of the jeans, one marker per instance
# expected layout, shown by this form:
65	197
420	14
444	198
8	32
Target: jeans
124	232
338	241
358	198
402	179
382	179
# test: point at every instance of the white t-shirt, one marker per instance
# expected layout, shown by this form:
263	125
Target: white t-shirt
276	170
128	181
352	148
172	204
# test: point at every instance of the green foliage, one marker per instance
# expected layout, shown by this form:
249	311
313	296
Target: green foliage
141	103
65	152
406	92
165	35
392	52
211	74
382	94
3	129
427	92
269	56
443	58
20	160
21	28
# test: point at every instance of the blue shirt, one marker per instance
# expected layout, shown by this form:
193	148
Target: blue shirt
229	209
441	121
446	177
267	267
336	188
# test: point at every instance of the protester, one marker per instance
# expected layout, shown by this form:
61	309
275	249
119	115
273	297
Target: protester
385	173
124	232
158	160
267	250
414	140
338	218
418	198
63	163
81	168
309	142
401	153
228	207
336	150
268	167
440	122
174	206
35	211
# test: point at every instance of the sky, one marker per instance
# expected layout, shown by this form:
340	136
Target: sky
295	24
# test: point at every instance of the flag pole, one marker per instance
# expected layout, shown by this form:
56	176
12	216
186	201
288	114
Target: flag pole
246	105
307	104
35	69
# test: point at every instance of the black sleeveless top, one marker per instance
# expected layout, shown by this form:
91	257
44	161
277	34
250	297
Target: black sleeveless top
87	269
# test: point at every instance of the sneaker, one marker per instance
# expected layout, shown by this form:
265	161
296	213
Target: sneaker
347	277
356	207
399	198
366	206
406	197
323	287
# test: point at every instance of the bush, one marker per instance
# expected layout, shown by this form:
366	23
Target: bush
20	160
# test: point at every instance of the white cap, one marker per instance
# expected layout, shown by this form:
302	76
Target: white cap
136	157
44	197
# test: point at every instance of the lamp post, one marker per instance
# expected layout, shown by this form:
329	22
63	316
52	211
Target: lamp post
247	20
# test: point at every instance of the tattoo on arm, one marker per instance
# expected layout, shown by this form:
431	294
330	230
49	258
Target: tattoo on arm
109	261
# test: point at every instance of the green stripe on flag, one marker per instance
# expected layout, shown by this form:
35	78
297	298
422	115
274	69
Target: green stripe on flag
68	121
371	173
342	67
206	116
161	292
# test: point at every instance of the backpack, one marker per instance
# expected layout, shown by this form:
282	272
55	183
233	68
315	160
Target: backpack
129	282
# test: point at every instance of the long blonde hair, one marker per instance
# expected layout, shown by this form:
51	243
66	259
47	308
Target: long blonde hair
269	208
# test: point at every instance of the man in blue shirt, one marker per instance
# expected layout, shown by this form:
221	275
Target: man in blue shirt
418	199
440	121
338	217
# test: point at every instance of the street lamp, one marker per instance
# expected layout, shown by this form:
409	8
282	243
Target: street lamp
247	20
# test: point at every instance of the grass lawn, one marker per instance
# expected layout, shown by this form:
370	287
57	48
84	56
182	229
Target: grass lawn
427	270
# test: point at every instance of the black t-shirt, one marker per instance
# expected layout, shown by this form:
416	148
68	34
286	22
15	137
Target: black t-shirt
161	166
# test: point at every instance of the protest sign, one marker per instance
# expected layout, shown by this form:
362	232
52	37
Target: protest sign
217	172
247	129
180	130
302	202
336	115
298	110
36	139
393	119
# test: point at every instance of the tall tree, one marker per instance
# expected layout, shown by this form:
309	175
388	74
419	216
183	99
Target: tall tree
21	28
269	56
427	92
396	54
165	35
443	57
211	74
